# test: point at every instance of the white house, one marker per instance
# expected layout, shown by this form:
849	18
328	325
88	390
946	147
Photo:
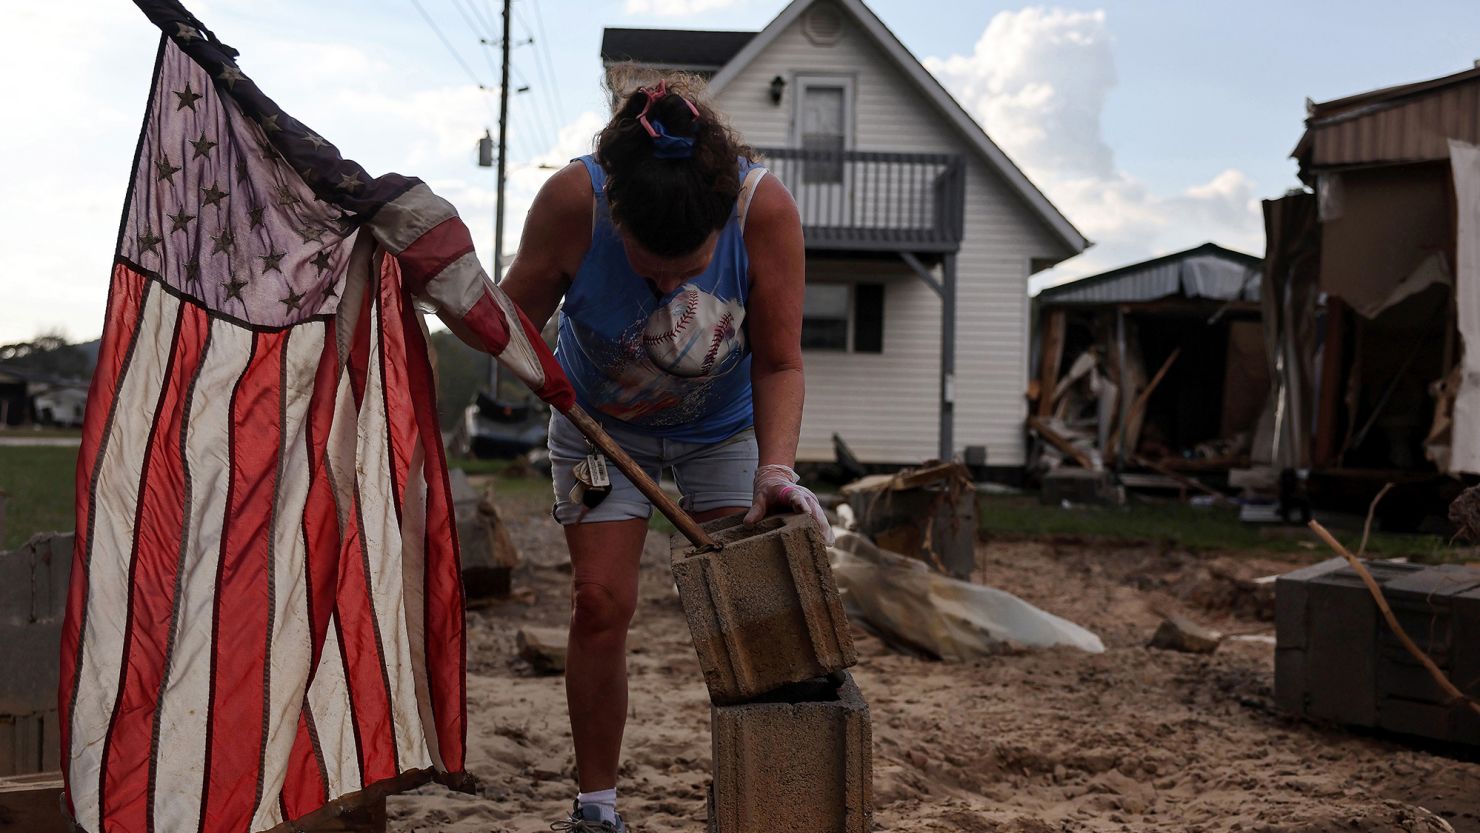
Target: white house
911	213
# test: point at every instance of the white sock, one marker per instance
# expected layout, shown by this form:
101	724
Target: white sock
605	800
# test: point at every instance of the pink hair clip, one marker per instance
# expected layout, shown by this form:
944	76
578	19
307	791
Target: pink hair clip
655	94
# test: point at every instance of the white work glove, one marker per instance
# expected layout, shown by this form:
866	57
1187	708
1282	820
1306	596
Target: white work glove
776	488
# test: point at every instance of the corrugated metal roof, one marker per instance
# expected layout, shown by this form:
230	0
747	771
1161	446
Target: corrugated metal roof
1396	125
688	48
1208	271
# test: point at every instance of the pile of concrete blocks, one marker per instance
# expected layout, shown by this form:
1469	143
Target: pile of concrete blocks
33	599
791	732
488	554
1336	658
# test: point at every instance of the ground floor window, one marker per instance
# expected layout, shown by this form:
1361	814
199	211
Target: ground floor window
843	316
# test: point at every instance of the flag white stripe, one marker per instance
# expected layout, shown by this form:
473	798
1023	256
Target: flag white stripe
413	566
116	496
184	707
328	702
382	535
291	635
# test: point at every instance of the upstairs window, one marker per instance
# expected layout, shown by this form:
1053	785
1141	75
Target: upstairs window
844	317
824	130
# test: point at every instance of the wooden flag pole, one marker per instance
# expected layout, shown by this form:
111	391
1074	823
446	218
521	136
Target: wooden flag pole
624	462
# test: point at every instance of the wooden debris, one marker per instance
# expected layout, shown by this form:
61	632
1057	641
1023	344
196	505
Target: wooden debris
1178	633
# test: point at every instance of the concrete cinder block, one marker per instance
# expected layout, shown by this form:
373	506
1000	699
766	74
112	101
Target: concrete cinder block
797	760
34	577
33	803
764	610
31	657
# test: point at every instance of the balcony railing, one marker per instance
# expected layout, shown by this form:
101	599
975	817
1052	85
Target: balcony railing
856	200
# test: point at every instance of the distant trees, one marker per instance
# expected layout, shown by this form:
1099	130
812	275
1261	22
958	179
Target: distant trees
48	353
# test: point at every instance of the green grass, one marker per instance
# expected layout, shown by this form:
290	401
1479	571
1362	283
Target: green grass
1194	528
38	482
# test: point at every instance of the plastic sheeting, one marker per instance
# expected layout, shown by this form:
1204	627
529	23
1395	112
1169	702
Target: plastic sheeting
912	606
1465	450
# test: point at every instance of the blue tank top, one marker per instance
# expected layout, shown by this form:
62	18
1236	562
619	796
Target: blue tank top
675	366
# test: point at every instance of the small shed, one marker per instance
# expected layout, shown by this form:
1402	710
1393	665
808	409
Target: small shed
1160	361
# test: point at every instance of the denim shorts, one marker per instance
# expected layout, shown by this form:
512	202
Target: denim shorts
709	475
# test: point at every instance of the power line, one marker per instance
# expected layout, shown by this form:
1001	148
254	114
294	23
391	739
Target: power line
545	88
544	46
451	51
474	26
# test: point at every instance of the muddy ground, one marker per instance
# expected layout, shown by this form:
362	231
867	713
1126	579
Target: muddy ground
1135	739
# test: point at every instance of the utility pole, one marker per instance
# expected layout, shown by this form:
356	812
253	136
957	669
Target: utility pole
503	152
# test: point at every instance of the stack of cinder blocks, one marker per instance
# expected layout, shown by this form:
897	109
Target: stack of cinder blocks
1337	659
791	731
33	598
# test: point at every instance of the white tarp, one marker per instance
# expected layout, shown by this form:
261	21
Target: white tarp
1464	158
908	603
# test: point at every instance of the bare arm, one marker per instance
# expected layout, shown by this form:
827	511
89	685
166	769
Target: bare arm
773	239
557	233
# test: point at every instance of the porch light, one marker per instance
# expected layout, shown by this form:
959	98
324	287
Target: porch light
777	85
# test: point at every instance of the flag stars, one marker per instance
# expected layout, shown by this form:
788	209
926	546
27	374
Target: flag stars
234	288
214	195
148	240
272	261
293	300
180	221
285	195
187	32
202	146
230	75
255	216
187	97
225	241
350	182
316	140
166	169
192	272
310	234
269	123
321	260
242	171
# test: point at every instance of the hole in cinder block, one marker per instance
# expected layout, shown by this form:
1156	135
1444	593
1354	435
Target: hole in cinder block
816	690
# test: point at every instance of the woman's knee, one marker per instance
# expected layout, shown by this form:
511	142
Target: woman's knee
596	610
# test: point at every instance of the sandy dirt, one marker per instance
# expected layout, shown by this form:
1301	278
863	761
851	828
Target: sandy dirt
1135	739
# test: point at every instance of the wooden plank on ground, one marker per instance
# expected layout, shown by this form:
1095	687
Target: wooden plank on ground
1058	441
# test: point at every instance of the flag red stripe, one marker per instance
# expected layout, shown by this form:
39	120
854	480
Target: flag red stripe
320	519
486	321
434	251
306	788
158	528
399	421
243	589
126	294
359	629
445	634
556	390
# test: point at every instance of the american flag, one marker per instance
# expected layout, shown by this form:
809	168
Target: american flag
266	608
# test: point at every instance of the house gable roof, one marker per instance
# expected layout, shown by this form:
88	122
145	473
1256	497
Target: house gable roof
1207	271
934	92
685	48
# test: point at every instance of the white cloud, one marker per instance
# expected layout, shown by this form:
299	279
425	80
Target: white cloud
675	8
1038	80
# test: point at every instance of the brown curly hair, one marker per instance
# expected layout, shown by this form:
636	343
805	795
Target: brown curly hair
669	206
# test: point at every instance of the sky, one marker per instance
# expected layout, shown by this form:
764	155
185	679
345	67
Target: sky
1153	125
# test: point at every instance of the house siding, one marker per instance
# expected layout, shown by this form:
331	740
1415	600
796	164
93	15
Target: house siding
886	405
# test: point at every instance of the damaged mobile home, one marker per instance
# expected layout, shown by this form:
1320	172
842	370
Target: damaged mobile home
1372	299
